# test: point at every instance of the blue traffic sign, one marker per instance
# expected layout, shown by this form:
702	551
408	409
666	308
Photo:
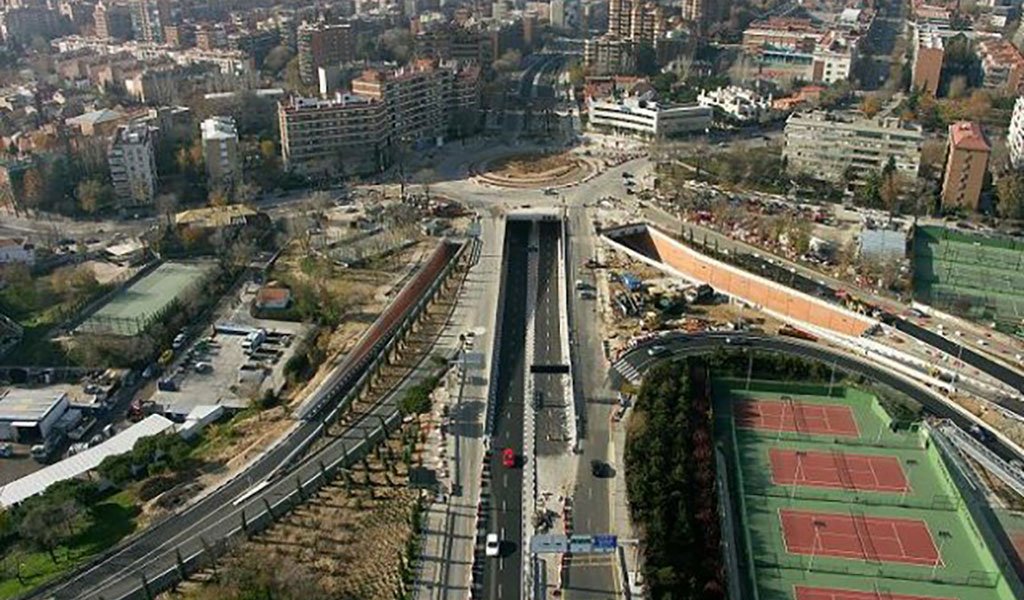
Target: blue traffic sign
605	543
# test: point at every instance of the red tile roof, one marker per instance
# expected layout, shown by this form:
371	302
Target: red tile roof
967	135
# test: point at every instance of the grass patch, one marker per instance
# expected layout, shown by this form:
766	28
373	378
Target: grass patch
104	525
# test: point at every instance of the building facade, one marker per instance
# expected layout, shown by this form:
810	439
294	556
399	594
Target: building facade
966	166
1015	137
323	45
345	135
1002	65
220	151
113	21
928	56
646	118
415	100
609	55
836	147
133	166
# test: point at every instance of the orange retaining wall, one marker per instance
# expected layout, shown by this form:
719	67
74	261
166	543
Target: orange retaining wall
757	290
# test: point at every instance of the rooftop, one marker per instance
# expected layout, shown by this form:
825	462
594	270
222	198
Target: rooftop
219	128
26	404
79	464
214	216
967	135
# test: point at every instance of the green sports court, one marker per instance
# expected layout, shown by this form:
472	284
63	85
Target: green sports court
832	502
136	307
980	277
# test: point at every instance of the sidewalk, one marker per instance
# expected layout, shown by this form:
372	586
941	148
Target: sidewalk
457	446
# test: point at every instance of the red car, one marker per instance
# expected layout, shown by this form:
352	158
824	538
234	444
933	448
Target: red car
508	458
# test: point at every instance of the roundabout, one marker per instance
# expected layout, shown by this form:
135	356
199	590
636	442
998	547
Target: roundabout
533	170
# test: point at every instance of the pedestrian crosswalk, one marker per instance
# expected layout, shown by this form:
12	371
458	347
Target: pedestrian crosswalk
627	370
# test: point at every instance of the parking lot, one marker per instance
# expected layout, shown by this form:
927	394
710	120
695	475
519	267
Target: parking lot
236	360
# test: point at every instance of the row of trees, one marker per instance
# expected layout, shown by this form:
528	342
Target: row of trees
670	478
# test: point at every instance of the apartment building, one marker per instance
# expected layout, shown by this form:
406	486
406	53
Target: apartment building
609	55
929	52
22	25
148	19
833	58
966	166
1015	137
640	117
346	135
113	21
133	166
779	33
415	99
324	45
220	151
832	146
1002	65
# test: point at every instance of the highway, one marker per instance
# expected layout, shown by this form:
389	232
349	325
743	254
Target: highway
548	345
503	575
638	360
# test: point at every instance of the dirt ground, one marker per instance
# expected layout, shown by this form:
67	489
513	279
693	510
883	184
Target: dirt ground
351	535
531	164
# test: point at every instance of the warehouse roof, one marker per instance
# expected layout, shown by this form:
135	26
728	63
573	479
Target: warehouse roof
27	405
81	463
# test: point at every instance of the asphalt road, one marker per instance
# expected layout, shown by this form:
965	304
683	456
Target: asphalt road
591	579
681	344
548	346
502	578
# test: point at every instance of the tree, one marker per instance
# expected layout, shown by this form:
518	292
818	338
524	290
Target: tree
33	187
870	106
276	61
1010	194
647	60
217	197
93	195
398	44
508	62
74	283
245	193
42	527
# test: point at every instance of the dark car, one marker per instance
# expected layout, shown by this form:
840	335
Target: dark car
599	468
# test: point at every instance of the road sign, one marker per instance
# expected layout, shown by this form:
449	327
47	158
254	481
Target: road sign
544	543
581	544
605	543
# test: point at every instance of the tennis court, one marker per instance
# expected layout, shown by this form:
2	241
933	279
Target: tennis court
855	536
787	414
136	307
834	503
837	469
801	592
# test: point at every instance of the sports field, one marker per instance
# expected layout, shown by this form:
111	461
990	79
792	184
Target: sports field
836	505
134	308
977	276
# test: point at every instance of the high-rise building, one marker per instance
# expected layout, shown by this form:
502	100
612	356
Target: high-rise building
148	19
113	21
1015	137
220	151
1002	65
609	55
928	56
344	135
22	25
322	45
133	165
966	165
836	147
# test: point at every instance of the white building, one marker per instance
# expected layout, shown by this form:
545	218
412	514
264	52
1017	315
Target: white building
833	58
736	102
1015	139
133	165
832	146
17	250
647	118
29	416
220	151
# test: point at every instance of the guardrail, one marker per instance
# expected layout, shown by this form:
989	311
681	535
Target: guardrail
565	290
262	518
529	491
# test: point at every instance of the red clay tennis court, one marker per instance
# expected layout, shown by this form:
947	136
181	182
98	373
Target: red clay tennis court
808	593
881	539
801	417
837	470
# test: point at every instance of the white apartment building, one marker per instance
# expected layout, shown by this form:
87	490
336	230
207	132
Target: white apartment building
1015	138
133	165
828	145
220	151
738	103
646	118
833	58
